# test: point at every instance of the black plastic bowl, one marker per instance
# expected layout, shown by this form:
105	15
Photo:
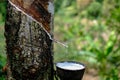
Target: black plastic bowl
65	73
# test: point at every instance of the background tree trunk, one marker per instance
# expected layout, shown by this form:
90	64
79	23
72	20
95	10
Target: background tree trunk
28	45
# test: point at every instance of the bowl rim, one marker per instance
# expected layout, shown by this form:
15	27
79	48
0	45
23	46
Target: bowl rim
70	62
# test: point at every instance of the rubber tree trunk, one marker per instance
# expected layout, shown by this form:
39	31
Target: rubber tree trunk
28	31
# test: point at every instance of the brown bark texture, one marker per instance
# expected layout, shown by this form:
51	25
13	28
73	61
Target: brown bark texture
28	45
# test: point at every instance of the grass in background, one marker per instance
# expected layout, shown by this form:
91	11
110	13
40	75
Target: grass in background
2	51
89	38
2	39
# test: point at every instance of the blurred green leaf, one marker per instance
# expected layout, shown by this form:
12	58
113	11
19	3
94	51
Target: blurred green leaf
111	43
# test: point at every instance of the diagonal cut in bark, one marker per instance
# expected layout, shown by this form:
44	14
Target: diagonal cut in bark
39	10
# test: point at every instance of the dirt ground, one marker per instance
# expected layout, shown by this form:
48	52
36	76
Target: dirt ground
91	75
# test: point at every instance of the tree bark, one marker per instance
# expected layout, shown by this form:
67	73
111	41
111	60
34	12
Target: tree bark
28	30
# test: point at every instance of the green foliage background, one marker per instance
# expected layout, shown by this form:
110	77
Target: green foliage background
91	32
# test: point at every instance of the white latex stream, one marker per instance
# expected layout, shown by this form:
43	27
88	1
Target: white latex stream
39	24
